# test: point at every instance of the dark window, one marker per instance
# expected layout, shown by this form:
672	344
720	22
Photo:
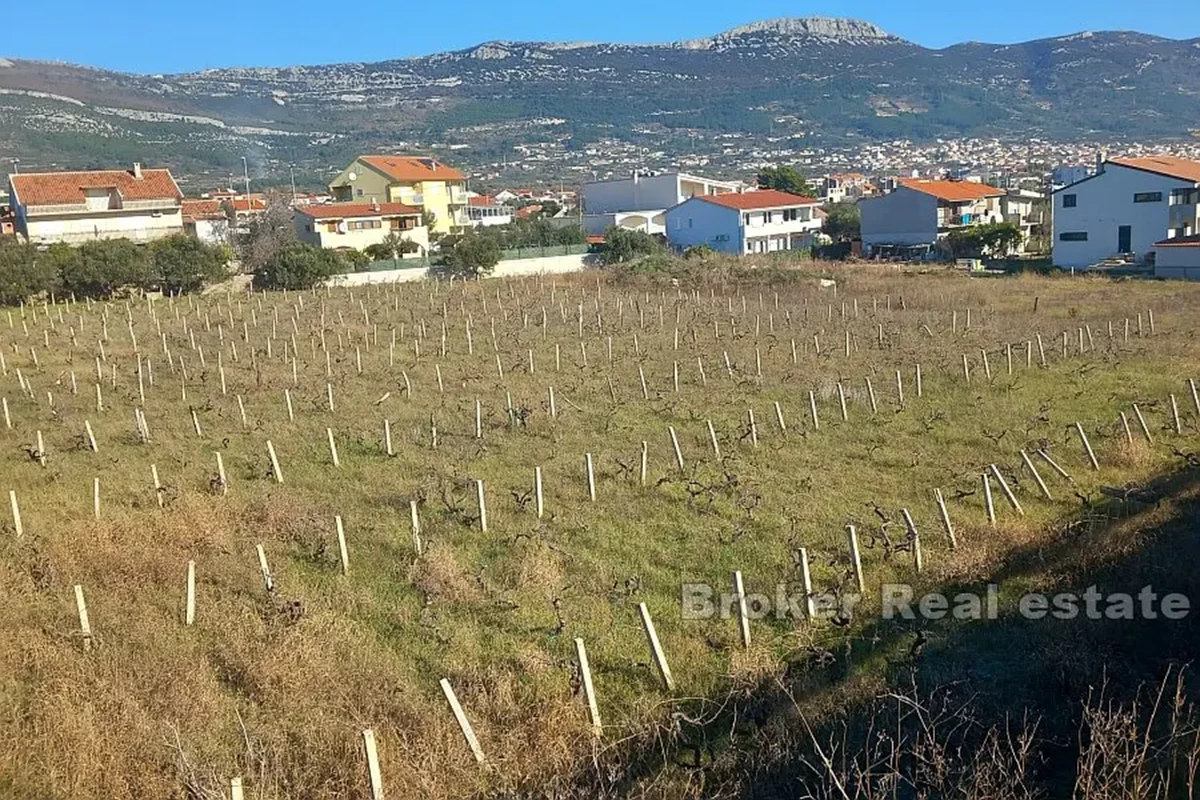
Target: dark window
1073	236
1148	197
1069	200
791	214
768	217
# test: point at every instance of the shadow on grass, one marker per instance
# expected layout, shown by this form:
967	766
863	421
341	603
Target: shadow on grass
754	746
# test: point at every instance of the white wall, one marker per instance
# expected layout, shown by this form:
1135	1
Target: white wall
699	222
1103	203
550	265
631	194
903	217
1177	262
132	225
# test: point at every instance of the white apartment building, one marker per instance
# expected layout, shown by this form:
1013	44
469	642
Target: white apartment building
75	207
359	225
921	211
745	223
1124	209
485	212
640	202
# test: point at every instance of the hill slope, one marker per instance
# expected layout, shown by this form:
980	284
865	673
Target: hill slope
818	78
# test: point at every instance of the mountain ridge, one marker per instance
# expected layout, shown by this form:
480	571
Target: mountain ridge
805	79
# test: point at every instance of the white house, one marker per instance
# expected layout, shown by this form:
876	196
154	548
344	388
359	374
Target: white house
76	207
741	223
207	220
640	202
484	212
1024	208
1178	257
359	225
921	211
1124	209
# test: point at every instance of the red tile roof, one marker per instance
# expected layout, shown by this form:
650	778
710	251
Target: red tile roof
68	188
354	210
526	211
481	201
1180	241
952	191
202	209
1169	166
413	168
761	198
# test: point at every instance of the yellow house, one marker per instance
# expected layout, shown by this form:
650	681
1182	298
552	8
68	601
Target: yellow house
420	181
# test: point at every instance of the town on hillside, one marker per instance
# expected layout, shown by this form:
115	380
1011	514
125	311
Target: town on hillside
1137	213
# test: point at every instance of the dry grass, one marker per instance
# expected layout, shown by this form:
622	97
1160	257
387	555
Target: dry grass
277	686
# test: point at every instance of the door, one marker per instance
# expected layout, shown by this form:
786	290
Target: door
1125	239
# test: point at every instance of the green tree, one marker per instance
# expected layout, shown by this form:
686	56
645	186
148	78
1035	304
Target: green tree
298	266
993	239
356	260
622	245
784	179
183	264
393	246
24	272
102	268
472	256
842	222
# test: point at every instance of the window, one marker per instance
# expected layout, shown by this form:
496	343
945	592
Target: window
746	219
689	223
1073	236
1148	197
791	214
1069	200
768	217
308	229
358	192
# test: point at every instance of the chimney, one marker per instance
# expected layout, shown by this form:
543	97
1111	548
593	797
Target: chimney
1101	157
137	170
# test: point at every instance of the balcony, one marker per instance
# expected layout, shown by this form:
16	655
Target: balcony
1184	217
458	196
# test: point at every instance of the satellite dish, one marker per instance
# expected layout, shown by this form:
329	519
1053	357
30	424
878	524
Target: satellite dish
352	176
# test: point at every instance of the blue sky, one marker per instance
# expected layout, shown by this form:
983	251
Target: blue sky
139	36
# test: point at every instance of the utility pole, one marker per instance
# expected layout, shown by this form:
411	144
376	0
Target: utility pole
246	173
292	167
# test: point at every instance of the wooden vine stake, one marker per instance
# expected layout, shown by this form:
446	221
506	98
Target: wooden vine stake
918	561
842	400
675	446
235	789
538	497
1195	395
189	614
1137	412
341	540
712	436
333	453
1088	445
275	470
482	506
660	658
87	427
387	437
856	559
812	407
268	580
85	626
739	591
1036	477
589	690
945	515
779	418
221	475
645	461
463	723
591	477
987	499
1053	464
416	525
373	772
16	512
96	498
1175	415
810	606
1012	499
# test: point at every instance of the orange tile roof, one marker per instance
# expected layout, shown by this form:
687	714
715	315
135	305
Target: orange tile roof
760	198
1180	241
952	191
1169	166
353	210
68	188
202	209
413	168
481	202
526	211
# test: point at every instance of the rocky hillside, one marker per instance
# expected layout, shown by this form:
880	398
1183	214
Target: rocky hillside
822	79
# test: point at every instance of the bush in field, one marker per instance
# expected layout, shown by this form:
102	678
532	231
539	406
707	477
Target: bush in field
101	269
184	264
356	260
298	266
472	256
24	272
392	247
622	245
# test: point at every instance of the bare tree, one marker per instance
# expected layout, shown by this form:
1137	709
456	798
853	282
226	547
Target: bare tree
266	233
